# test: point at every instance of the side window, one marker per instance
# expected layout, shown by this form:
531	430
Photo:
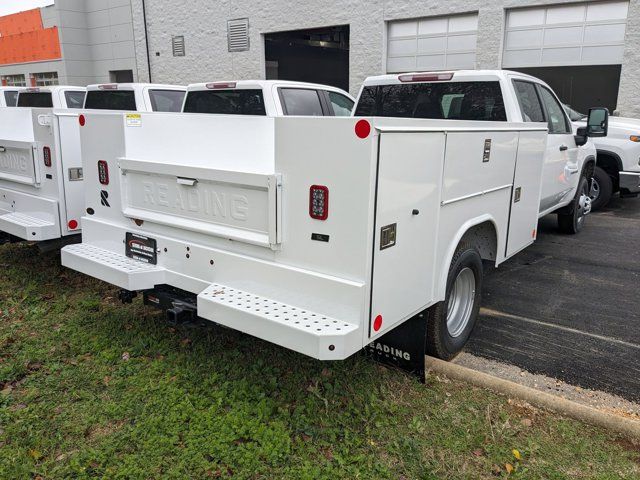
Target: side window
74	99
529	101
11	97
166	100
300	101
557	119
342	105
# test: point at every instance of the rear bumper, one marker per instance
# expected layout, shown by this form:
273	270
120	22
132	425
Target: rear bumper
303	327
28	216
630	182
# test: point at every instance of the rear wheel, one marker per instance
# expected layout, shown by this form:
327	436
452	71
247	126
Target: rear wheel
449	323
573	221
601	189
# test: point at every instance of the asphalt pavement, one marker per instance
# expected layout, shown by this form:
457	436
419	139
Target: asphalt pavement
569	306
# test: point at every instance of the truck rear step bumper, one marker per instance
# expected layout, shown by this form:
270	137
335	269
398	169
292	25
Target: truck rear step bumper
28	227
112	267
296	328
292	327
630	182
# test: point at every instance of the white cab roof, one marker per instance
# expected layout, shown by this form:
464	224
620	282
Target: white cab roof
262	84
461	75
53	89
134	86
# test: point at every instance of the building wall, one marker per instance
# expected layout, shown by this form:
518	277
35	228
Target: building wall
96	37
203	23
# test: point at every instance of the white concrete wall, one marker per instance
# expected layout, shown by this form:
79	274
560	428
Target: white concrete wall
203	24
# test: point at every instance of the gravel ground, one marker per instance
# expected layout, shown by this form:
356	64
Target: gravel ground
593	398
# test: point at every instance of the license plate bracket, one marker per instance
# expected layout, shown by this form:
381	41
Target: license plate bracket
141	248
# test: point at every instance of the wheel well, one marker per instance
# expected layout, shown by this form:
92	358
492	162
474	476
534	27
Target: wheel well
610	163
484	237
589	167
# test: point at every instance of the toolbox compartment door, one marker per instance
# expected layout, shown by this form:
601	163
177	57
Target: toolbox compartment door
17	162
526	191
237	206
406	222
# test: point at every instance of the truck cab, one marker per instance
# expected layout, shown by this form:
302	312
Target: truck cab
618	163
135	97
496	95
271	98
9	96
52	97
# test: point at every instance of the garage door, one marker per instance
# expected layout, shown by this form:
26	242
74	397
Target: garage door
435	43
577	34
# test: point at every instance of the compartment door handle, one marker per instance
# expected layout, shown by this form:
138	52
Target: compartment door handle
190	182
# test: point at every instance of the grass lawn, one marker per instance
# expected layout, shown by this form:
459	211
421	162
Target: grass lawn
94	389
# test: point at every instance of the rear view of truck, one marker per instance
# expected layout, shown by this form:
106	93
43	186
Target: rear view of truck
40	165
318	234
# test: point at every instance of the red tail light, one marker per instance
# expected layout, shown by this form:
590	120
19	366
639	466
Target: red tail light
216	85
319	202
108	86
46	153
103	172
426	77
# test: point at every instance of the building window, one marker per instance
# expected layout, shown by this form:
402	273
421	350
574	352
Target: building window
45	79
13	81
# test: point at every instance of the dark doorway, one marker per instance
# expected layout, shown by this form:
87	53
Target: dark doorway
121	76
582	87
319	55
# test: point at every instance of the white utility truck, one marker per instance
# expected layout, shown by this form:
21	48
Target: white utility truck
273	98
135	97
506	96
41	194
618	163
9	96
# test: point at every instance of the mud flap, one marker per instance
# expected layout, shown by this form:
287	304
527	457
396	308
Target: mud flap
404	347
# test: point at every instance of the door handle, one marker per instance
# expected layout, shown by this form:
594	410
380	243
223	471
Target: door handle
563	148
190	182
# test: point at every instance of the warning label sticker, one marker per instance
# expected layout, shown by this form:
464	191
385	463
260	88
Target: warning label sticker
134	120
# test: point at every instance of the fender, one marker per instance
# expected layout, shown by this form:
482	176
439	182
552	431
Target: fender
441	287
613	155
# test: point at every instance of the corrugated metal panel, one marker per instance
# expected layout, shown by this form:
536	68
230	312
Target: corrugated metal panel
574	34
177	46
432	43
238	34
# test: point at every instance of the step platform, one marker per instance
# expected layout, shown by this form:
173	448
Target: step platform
27	227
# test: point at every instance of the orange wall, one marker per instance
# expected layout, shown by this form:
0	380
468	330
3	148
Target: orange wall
24	40
21	22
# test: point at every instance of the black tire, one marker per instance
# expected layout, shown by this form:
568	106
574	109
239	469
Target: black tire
602	189
572	220
440	343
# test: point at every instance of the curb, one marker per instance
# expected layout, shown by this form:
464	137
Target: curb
568	408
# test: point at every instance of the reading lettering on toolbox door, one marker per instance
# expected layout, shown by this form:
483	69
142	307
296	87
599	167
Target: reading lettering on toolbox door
16	164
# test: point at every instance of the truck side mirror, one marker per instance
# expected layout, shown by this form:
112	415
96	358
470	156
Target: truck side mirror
581	136
598	122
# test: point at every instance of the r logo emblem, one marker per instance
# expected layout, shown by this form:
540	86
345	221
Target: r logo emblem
104	195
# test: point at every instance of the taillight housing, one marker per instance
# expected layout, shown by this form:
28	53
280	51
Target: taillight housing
46	154
426	77
103	172
319	202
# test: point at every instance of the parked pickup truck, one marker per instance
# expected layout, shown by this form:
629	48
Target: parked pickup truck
320	234
273	98
9	96
136	97
618	163
41	194
503	96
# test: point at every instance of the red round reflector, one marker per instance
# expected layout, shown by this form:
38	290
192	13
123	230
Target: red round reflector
377	323
363	129
73	224
82	120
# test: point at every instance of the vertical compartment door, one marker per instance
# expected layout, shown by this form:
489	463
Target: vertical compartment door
407	207
525	196
70	157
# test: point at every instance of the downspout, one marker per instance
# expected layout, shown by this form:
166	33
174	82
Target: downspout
146	38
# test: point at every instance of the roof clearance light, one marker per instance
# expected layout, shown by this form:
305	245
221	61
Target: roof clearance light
82	120
319	202
46	153
103	172
216	85
108	86
32	90
426	77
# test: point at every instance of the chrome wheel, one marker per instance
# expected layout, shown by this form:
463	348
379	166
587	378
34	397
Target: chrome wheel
461	300
595	190
584	205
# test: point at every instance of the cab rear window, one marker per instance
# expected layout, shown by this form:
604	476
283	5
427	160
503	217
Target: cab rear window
11	97
450	100
111	100
35	99
166	100
226	102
